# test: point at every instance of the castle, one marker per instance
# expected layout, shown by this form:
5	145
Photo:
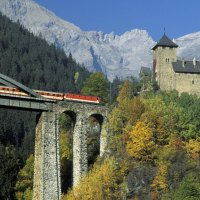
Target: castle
173	74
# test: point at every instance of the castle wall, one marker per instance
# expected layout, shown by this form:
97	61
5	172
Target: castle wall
164	74
185	82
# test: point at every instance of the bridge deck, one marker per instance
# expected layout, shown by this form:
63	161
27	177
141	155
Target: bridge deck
26	103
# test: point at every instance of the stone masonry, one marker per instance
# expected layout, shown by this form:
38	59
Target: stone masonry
47	162
83	112
47	183
173	74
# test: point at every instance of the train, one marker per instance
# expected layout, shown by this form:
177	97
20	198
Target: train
52	95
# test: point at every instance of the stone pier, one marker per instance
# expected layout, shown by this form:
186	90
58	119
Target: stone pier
104	136
80	153
47	184
80	156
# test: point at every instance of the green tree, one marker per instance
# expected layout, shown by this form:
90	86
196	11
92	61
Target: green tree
9	167
96	85
188	189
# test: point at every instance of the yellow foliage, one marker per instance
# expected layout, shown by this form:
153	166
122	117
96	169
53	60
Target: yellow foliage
127	111
193	148
102	182
141	145
125	92
160	181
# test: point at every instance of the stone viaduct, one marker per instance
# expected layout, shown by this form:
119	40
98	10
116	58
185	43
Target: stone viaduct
47	183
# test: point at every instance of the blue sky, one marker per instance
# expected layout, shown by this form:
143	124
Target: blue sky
178	17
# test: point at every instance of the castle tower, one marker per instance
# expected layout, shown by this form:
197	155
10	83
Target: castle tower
164	55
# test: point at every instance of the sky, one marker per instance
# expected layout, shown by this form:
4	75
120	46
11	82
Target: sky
176	17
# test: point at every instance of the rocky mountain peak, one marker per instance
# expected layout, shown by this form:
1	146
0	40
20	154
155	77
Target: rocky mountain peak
115	55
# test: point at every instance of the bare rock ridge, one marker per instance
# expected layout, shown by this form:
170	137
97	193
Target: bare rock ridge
114	55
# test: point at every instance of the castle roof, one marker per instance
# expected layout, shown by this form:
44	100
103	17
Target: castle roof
181	66
165	42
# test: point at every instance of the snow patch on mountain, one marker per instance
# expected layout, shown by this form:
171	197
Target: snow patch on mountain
189	46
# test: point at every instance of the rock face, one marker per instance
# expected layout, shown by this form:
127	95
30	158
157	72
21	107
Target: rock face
112	54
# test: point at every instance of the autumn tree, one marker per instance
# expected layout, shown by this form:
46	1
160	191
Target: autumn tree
162	119
128	109
193	147
160	184
102	182
141	144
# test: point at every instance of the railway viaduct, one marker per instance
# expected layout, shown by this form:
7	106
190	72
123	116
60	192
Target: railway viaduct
47	182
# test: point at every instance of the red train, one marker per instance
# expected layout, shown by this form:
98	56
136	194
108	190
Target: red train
51	95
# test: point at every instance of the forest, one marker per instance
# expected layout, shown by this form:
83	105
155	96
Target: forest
154	136
38	65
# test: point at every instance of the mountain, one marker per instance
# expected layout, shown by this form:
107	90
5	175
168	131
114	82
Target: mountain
189	46
113	54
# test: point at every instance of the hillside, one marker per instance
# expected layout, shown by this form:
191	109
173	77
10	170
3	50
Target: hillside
38	65
154	150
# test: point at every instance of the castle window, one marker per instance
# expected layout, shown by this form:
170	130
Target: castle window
166	59
193	82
